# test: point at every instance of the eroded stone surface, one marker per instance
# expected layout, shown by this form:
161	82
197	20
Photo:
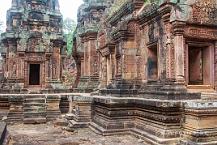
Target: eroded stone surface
48	134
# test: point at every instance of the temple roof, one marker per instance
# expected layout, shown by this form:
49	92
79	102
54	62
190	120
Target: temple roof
51	4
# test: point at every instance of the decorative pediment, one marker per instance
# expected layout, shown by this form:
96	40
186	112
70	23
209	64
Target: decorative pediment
204	12
195	11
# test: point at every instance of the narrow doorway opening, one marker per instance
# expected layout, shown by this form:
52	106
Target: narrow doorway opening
195	66
200	63
34	74
153	63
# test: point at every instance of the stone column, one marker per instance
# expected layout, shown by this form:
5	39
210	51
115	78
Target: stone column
85	59
109	69
178	28
104	72
82	66
169	50
215	66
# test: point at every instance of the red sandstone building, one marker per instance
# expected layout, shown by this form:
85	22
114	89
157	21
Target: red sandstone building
33	46
154	66
150	68
131	43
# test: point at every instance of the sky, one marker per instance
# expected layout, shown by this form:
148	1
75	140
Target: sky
68	8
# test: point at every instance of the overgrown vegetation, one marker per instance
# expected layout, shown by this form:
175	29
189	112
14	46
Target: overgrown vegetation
116	6
1	28
69	26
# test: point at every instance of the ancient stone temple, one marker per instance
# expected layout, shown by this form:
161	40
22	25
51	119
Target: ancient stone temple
156	67
33	46
145	68
89	15
33	51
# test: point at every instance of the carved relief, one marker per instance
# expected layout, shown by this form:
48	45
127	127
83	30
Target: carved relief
118	66
205	12
36	16
13	69
95	66
203	33
21	45
101	40
139	68
103	69
15	21
55	25
151	35
33	44
54	68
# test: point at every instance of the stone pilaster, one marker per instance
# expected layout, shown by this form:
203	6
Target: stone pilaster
215	65
179	42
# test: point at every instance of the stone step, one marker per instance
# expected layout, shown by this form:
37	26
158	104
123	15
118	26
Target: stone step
35	96
96	128
34	120
34	113
15	120
33	108
34	116
4	103
70	116
35	104
208	95
38	100
79	124
149	138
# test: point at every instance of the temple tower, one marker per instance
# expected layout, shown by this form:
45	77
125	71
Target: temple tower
33	45
89	15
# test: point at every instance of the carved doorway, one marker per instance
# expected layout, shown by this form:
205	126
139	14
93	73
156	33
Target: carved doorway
196	66
34	74
200	65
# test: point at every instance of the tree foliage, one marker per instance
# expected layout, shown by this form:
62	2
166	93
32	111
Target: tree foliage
69	26
1	27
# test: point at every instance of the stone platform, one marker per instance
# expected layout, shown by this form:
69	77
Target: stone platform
156	121
31	108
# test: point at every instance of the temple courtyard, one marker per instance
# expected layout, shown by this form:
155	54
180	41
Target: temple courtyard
49	134
145	73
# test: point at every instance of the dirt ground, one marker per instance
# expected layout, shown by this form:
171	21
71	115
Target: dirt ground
48	134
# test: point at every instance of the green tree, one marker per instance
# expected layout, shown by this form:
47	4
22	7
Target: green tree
1	27
69	26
